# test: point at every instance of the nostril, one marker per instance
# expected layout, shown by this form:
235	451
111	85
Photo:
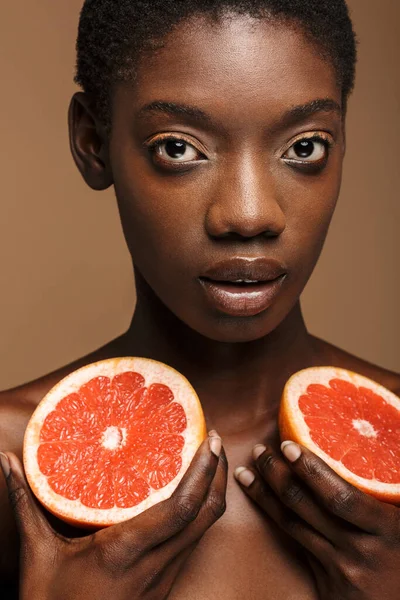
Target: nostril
271	234
243	237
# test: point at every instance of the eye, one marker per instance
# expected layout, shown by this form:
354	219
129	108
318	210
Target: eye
174	150
309	150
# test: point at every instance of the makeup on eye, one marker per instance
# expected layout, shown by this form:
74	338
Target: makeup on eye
308	149
175	147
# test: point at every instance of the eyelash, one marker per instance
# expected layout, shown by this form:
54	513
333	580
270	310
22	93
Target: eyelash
322	138
311	166
170	165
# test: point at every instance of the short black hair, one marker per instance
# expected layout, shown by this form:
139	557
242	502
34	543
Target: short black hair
113	33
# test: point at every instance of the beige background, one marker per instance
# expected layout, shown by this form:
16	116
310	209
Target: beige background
66	285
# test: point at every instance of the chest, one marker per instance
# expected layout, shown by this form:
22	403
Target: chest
244	556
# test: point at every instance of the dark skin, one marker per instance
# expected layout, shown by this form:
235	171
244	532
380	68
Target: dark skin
242	195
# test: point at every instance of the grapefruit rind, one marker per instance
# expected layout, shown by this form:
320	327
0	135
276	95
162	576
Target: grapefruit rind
292	425
73	511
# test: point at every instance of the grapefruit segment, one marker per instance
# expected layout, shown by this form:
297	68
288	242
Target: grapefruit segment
349	421
112	439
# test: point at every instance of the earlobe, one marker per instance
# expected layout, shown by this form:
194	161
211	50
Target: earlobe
88	142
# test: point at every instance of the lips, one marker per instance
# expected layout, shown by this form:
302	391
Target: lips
242	269
243	286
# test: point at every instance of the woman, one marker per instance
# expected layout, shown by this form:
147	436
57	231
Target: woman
221	126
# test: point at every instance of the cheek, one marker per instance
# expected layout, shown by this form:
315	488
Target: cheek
162	222
309	207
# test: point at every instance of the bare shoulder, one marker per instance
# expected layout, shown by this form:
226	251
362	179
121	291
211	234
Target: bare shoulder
337	357
17	405
16	408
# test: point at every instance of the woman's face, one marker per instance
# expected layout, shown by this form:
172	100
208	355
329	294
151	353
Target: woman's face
226	153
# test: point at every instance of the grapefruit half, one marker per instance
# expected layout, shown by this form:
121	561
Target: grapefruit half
111	440
349	421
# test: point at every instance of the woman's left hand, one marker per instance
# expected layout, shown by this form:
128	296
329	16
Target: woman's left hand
352	540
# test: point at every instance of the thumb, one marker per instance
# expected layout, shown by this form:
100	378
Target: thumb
30	520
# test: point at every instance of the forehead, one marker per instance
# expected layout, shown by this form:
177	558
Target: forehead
236	67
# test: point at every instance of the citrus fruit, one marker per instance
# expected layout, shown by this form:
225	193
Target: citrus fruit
349	421
112	439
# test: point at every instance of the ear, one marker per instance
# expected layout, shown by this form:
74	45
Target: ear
89	142
344	131
344	137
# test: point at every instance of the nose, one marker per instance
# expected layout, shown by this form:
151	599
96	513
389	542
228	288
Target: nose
245	202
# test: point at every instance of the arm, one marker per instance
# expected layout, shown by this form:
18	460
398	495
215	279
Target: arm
139	558
352	540
14	416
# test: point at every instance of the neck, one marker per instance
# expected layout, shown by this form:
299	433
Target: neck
242	380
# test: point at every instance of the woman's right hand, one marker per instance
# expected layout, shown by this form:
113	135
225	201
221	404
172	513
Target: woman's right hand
136	559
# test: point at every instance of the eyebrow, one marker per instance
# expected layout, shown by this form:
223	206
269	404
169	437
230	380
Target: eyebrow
171	108
294	114
307	110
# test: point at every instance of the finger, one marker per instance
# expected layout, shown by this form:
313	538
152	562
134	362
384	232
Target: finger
30	520
212	509
286	519
167	518
169	558
295	494
337	495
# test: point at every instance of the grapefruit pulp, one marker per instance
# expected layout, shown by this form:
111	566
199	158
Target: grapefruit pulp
349	421
112	439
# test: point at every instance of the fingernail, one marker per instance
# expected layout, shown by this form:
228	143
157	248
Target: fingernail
258	450
5	464
245	476
291	450
213	433
215	445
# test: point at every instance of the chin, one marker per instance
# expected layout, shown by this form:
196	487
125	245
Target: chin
231	330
